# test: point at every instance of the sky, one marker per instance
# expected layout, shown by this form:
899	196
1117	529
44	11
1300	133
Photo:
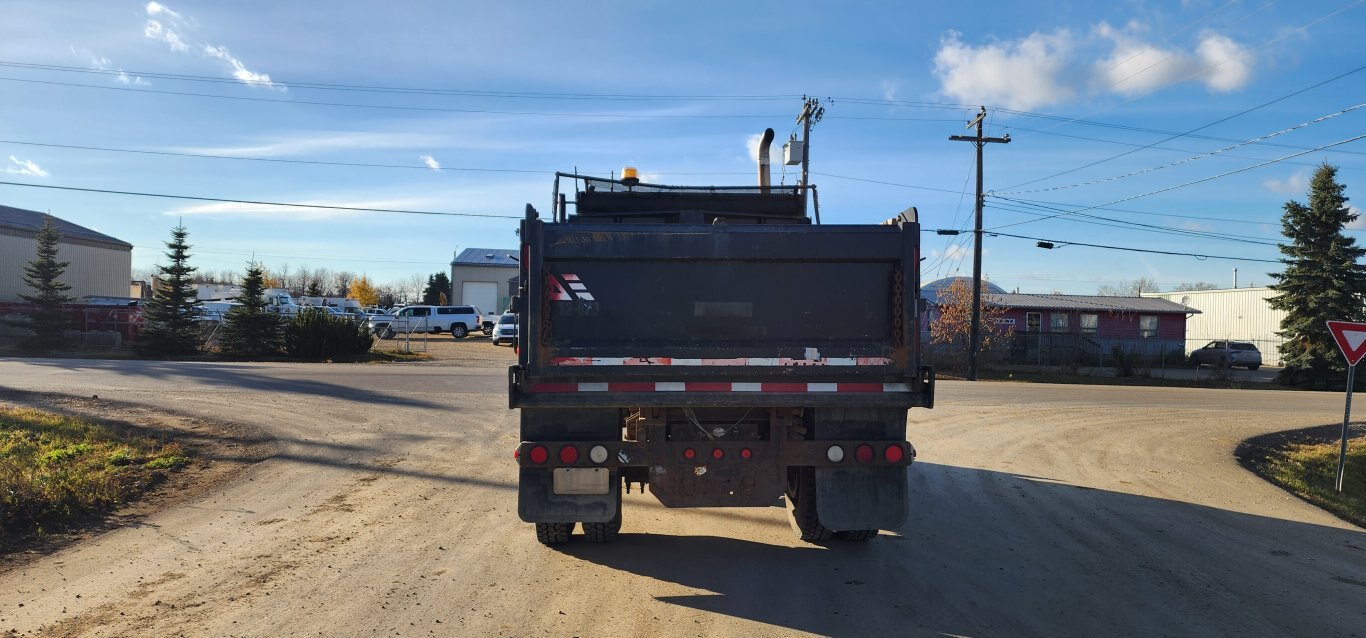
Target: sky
1181	126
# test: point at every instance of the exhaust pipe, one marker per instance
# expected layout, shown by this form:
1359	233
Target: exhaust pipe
764	143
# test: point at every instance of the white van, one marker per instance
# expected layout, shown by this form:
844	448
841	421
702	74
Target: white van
458	320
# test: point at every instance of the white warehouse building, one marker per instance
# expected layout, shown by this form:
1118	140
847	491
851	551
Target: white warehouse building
1231	314
99	265
481	277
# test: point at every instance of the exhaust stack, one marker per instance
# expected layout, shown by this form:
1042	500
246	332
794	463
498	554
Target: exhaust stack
764	143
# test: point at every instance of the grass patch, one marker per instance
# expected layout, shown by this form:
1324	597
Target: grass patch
1305	463
56	470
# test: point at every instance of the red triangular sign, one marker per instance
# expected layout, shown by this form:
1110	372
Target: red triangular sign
1351	338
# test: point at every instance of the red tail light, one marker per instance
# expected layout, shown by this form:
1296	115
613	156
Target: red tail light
539	454
893	453
569	455
746	453
689	453
863	453
516	454
718	453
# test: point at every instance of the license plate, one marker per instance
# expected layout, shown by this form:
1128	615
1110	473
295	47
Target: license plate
587	480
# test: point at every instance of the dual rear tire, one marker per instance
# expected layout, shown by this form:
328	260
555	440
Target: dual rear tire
561	533
802	516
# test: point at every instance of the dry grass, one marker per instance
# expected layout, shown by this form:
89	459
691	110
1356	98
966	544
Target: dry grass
56	470
1310	471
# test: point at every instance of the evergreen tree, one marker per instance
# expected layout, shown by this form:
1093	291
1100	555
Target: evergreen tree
1322	280
314	289
171	318
438	289
48	321
249	329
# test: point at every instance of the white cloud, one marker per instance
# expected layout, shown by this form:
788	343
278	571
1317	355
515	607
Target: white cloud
156	8
889	90
170	33
430	162
105	64
157	31
1293	185
1024	74
1359	223
752	143
321	141
25	167
237	209
1042	69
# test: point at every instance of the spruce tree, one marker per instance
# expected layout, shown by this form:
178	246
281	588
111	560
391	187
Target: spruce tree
48	320
1322	280
438	286
171	318
249	329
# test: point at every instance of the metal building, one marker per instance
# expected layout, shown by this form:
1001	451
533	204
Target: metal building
1235	314
100	265
479	277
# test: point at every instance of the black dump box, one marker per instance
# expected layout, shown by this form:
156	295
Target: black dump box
666	296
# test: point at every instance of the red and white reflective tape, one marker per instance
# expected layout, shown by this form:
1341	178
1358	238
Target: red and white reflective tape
716	386
748	361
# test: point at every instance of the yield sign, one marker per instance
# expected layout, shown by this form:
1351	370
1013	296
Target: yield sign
1351	338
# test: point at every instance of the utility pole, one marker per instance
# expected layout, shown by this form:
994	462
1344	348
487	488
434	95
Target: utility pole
812	111
976	339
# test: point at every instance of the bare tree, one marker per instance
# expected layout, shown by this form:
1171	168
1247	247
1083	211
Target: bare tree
1199	285
1133	288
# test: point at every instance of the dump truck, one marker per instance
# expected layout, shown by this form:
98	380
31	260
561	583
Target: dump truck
684	339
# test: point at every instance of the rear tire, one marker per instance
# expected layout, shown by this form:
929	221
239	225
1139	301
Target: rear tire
458	330
857	535
554	533
1254	367
386	333
801	508
605	532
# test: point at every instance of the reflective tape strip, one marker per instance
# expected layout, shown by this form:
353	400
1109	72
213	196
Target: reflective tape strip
717	386
765	362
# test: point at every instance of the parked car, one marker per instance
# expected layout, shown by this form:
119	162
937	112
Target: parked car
458	320
1228	354
505	331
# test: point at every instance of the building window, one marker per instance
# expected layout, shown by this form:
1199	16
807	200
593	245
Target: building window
1147	326
1089	323
1058	322
1033	322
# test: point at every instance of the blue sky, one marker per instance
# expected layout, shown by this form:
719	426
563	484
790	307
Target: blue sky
680	90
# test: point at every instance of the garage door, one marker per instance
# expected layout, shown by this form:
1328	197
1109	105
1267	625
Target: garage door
483	294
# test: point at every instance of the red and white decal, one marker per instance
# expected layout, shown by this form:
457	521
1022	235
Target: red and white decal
716	386
744	361
558	292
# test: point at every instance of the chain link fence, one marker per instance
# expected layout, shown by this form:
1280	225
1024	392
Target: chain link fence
1074	353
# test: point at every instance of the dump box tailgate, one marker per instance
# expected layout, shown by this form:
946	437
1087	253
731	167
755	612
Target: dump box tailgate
796	308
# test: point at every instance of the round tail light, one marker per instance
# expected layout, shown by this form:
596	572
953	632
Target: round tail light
539	454
893	453
835	454
689	453
863	453
746	453
569	455
598	454
718	453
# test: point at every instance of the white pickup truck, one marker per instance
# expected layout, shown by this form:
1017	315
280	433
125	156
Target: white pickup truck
458	320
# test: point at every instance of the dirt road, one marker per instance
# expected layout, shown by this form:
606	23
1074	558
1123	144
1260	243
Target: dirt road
390	510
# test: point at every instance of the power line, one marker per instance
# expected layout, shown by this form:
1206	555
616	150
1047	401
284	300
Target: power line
1058	243
260	203
1192	183
1150	228
1198	128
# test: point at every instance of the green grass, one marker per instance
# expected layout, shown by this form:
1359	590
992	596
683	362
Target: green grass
56	470
1310	471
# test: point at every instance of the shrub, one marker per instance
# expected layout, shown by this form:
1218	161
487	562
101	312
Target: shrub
315	334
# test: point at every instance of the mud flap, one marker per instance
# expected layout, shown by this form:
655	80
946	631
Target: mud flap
862	498
537	501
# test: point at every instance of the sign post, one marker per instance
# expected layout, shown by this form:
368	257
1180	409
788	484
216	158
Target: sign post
1351	339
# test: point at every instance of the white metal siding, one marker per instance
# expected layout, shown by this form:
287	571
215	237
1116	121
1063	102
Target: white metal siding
92	271
482	295
1239	314
498	275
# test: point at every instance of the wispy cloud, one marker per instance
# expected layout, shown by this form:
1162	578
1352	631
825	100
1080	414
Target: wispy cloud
430	162
888	90
309	143
105	64
1044	68
25	167
1295	184
171	32
236	209
1359	223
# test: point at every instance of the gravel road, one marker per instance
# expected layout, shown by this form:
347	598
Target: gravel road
390	510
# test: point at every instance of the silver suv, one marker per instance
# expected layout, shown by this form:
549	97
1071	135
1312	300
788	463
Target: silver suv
458	320
1228	354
